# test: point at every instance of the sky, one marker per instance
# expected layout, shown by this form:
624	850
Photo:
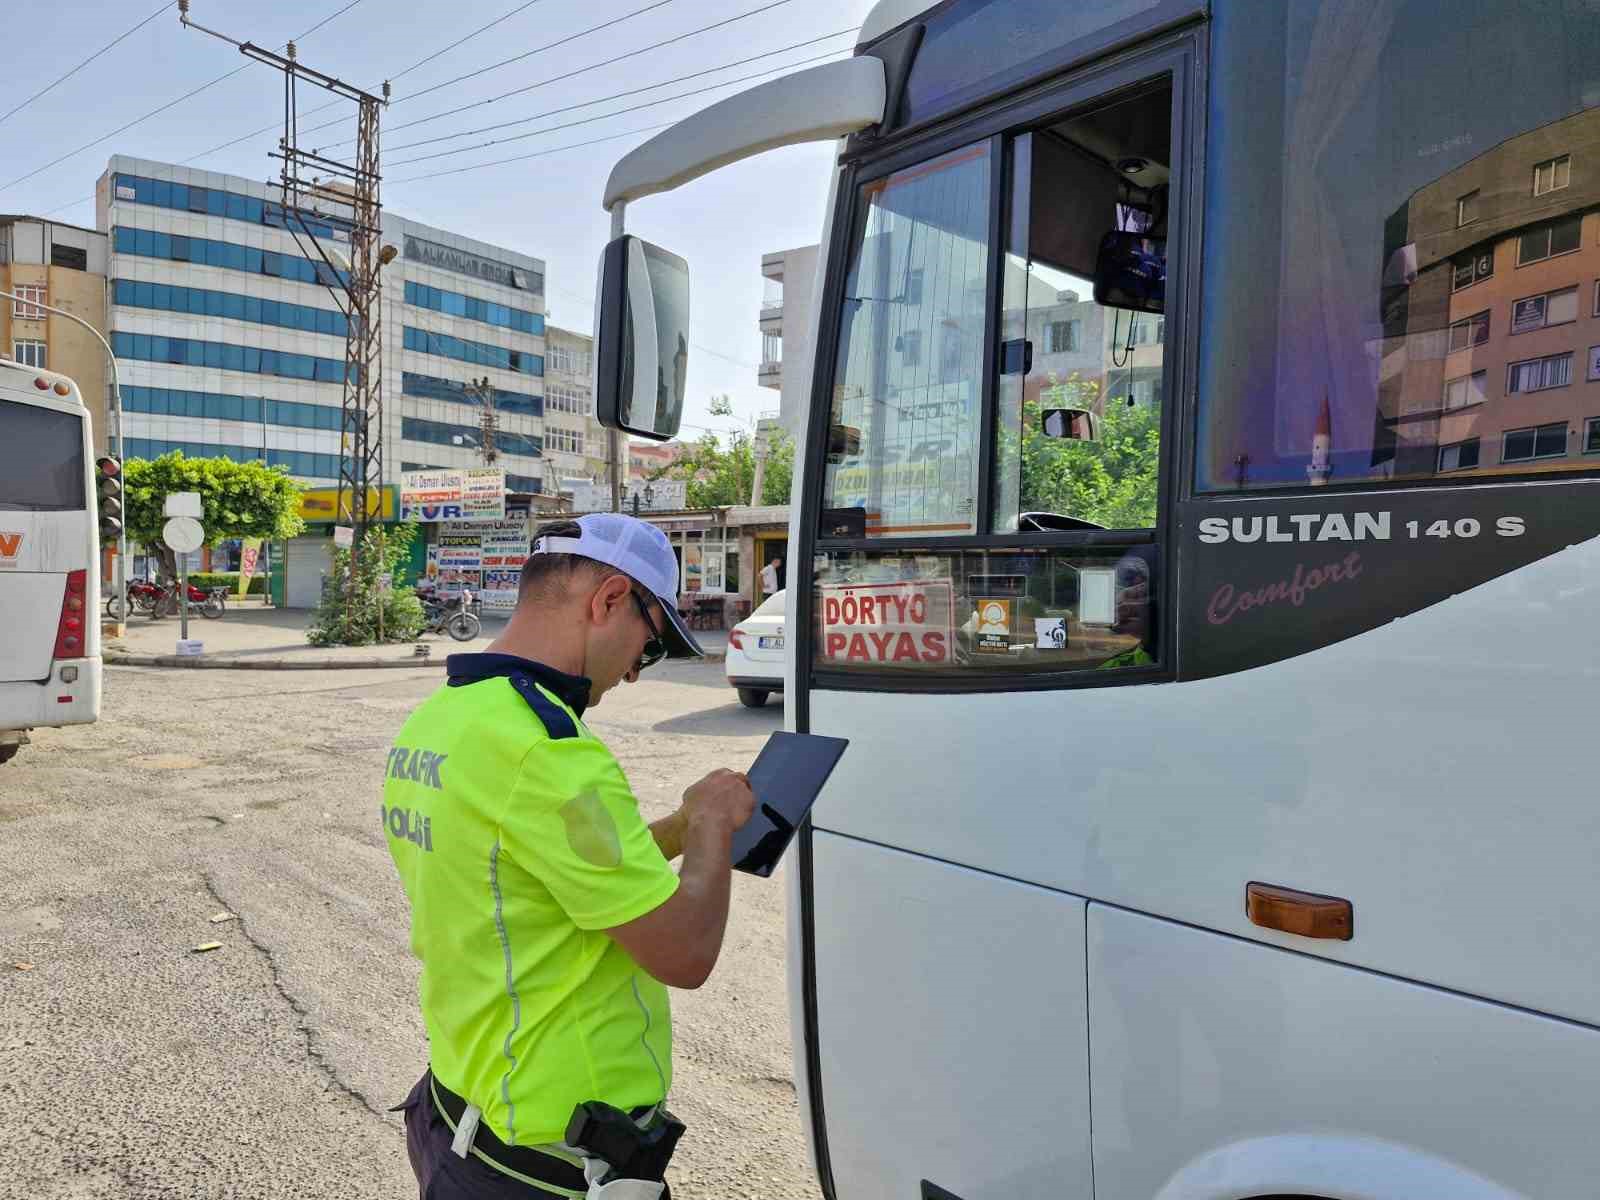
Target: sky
547	206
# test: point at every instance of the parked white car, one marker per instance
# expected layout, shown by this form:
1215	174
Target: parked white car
755	653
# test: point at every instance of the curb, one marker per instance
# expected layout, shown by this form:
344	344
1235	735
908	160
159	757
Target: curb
201	662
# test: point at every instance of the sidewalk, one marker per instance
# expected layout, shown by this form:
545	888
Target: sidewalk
273	639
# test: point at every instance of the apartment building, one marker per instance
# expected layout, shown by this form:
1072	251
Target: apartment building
63	266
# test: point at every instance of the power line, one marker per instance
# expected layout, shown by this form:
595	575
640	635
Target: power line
581	71
515	58
49	86
506	62
610	137
459	41
620	95
617	113
158	111
398	74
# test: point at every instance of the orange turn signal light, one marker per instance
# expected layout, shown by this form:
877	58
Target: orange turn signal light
1304	913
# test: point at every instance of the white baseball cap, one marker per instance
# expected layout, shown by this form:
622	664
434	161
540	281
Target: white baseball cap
640	551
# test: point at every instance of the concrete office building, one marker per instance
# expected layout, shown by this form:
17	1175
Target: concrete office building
231	344
65	267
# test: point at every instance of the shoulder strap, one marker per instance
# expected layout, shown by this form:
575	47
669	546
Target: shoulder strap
557	722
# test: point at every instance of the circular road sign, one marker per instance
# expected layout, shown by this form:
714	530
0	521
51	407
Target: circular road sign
183	534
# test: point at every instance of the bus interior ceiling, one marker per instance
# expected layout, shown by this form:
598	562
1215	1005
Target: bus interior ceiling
1080	175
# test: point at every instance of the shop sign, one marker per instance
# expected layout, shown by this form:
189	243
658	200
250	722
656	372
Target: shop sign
320	505
906	623
473	494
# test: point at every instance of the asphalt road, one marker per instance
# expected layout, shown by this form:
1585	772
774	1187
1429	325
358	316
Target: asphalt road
132	1066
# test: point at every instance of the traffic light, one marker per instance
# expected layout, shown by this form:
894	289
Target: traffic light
108	487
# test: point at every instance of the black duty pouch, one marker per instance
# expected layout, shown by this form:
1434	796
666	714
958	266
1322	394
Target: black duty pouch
607	1133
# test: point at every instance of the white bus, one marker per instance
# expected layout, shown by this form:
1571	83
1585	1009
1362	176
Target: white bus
1196	537
49	557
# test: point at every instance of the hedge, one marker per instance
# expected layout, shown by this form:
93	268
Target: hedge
229	580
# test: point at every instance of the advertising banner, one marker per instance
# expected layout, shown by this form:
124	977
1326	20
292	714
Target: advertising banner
427	488
500	588
483	494
905	623
249	555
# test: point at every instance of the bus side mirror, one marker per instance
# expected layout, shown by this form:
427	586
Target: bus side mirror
1131	272
641	352
1072	424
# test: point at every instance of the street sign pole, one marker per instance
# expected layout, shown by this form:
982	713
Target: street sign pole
183	596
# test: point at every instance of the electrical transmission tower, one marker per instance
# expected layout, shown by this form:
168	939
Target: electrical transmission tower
307	181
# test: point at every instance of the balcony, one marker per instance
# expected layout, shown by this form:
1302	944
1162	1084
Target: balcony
770	374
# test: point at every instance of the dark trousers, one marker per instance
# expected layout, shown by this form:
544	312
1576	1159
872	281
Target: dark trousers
441	1174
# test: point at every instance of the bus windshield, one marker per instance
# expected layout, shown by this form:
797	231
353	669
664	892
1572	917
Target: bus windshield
41	459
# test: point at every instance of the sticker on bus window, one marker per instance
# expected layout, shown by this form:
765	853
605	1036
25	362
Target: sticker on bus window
892	624
993	632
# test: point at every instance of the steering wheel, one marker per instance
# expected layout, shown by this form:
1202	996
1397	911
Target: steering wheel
1048	522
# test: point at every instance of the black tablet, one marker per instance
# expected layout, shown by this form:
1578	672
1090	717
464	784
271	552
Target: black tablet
786	780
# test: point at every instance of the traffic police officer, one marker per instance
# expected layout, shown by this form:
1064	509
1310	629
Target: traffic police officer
547	920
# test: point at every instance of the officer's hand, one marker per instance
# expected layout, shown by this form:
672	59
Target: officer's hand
722	797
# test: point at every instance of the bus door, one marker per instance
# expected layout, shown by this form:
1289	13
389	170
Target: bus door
988	486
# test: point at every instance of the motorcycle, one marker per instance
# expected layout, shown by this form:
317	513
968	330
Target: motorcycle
456	616
210	603
142	595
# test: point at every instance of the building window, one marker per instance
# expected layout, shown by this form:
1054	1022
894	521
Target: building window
910	347
1552	308
914	286
565	399
1467	209
30	354
1591	436
1468	390
1594	363
567	360
1543	441
568	441
1060	337
1552	175
1550	239
29	296
1470	331
74	258
1471	269
1459	456
1148	331
1537	374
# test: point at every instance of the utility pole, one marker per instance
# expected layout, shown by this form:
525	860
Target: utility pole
352	281
488	419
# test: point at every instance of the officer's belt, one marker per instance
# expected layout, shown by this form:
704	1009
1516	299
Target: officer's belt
521	1161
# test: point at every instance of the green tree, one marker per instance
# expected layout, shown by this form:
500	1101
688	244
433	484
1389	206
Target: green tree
719	475
237	500
350	615
1112	482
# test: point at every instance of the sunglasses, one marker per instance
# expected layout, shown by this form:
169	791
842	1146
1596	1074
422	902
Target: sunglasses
656	648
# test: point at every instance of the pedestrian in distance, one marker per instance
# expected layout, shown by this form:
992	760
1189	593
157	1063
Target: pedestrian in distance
543	909
769	576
